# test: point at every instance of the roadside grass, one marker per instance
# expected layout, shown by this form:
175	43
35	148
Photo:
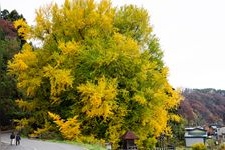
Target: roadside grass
186	148
86	146
94	147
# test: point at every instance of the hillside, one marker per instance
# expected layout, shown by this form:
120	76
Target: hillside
203	106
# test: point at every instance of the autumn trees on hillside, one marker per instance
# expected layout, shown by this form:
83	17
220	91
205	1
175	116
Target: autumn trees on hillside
203	106
98	73
10	44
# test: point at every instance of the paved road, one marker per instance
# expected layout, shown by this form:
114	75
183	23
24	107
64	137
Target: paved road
29	144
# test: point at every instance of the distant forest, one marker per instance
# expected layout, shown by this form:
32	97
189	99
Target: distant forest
203	106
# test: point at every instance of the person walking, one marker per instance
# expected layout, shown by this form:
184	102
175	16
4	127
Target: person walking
18	139
12	138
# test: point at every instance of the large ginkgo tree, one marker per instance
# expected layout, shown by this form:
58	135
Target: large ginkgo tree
96	73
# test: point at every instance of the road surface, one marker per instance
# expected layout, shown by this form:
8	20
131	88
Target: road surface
30	144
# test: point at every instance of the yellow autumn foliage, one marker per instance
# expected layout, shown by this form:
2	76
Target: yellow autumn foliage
23	28
24	105
126	45
176	118
140	98
43	21
69	48
70	128
99	70
22	60
22	123
60	79
99	99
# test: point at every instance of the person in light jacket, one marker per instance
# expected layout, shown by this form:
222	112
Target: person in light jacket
12	138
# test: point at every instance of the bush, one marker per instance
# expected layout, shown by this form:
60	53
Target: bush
211	144
222	147
199	146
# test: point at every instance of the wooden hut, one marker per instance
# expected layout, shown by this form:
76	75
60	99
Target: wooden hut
127	141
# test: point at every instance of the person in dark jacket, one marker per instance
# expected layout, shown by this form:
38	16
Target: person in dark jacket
12	137
18	139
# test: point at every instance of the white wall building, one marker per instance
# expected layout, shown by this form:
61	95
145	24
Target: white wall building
195	135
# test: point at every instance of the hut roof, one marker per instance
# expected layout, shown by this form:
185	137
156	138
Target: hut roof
129	135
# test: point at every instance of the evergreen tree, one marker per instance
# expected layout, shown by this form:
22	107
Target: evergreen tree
9	45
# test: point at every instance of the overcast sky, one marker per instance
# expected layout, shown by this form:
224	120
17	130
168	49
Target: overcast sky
191	33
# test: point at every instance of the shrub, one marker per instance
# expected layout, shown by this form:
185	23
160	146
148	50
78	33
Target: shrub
199	146
222	147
